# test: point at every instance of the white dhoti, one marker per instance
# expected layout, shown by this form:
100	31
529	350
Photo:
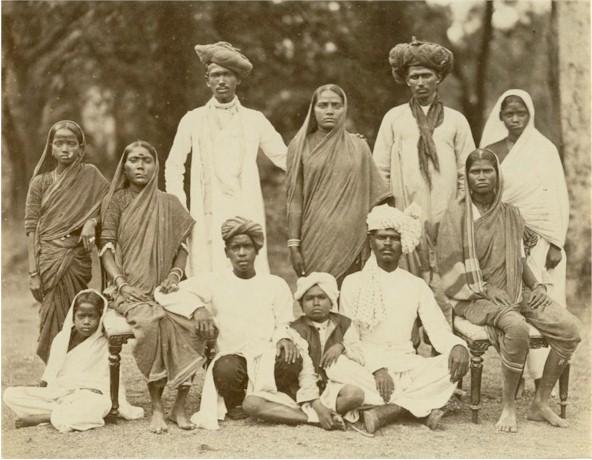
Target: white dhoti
554	280
68	410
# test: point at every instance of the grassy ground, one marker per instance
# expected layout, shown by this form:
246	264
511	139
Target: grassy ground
458	438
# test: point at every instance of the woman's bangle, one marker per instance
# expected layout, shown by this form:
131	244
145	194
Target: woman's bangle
116	277
177	271
121	286
294	242
176	274
32	274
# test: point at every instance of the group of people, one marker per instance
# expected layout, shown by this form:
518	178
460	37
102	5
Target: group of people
423	228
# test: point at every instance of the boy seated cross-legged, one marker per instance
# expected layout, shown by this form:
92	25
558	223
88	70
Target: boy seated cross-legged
331	350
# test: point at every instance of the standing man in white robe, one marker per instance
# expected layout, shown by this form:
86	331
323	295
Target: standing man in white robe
383	302
421	148
223	138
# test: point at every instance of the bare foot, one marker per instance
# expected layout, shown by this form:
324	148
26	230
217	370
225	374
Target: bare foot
338	422
543	413
507	421
178	417
157	424
433	420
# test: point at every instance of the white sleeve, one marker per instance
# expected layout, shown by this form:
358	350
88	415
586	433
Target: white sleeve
382	149
272	144
193	293
353	346
434	322
463	146
282	310
307	379
175	164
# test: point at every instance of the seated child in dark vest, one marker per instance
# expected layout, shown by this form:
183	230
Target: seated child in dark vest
334	348
74	390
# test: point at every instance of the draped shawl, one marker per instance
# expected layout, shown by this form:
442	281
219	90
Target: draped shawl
150	231
331	188
488	249
72	199
533	174
90	359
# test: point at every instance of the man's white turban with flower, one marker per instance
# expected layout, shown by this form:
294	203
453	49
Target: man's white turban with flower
406	223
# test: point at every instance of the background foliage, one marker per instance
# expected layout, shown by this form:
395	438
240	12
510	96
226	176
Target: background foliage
127	70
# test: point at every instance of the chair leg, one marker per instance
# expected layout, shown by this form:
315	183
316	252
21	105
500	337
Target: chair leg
476	371
115	345
563	390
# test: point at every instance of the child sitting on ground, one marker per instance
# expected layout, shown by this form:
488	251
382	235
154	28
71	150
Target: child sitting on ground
74	390
326	394
334	348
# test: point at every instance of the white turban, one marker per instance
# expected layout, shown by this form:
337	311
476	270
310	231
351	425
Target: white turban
325	281
407	223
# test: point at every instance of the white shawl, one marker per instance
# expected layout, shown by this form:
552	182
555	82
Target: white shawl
86	365
534	180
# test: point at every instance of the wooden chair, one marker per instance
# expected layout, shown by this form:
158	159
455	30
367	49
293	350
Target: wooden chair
118	333
478	342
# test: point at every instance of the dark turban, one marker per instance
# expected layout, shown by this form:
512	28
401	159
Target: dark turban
241	226
430	55
225	55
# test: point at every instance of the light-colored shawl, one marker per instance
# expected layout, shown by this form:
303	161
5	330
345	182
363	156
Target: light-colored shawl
533	174
150	231
488	249
87	364
75	195
327	210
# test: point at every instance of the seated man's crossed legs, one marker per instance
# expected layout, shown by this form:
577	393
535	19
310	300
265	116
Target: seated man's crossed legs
231	380
511	336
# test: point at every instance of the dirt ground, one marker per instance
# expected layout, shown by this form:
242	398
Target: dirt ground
459	438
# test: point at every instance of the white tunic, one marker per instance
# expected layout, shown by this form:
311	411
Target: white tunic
421	384
396	156
223	141
251	315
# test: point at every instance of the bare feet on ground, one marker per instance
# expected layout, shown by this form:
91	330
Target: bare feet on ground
433	420
178	417
507	421
543	413
158	424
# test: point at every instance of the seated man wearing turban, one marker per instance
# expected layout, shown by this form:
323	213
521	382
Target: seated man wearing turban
383	302
250	313
421	148
223	138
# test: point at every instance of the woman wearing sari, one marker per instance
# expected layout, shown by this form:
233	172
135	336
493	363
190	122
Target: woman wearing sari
332	185
481	259
60	218
534	182
142	241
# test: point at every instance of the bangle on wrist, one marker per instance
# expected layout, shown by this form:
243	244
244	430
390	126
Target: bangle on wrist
36	273
175	274
116	277
294	242
121	286
178	271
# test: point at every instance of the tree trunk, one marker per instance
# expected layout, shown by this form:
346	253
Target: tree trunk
573	31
